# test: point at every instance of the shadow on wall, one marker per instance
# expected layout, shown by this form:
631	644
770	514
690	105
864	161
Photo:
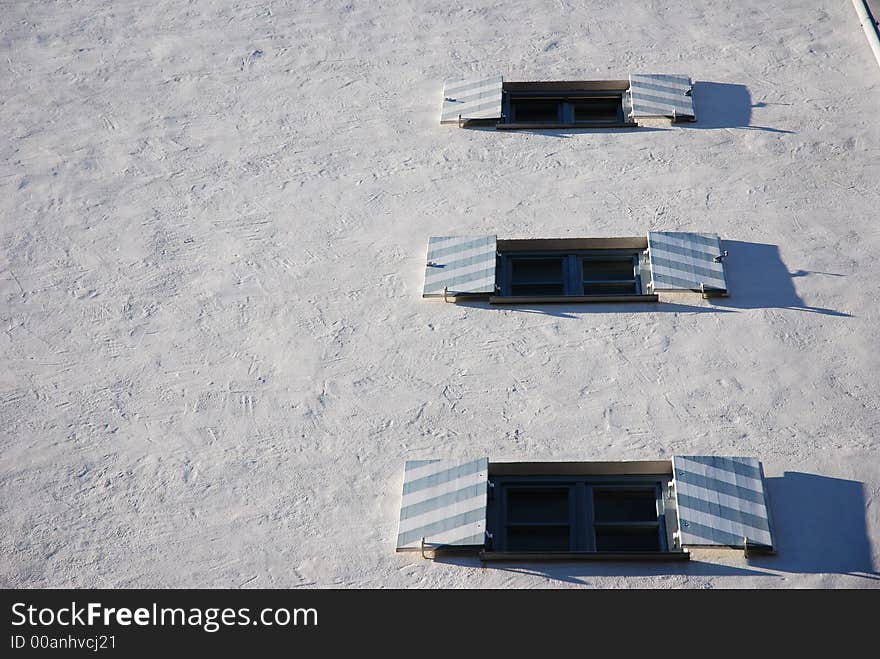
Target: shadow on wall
716	104
819	528
758	279
756	275
819	524
724	105
574	310
569	132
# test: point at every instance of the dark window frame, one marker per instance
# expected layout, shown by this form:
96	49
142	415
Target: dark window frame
582	518
575	278
566	101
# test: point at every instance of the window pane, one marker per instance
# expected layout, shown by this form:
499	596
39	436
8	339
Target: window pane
529	290
537	538
627	539
537	505
596	109
535	271
610	289
608	269
527	110
536	277
624	505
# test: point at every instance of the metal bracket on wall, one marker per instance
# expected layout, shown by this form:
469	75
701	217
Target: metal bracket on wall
751	549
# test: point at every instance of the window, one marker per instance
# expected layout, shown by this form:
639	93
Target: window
538	518
563	108
532	511
568	270
614	514
626	519
583	104
537	275
608	274
492	101
580	273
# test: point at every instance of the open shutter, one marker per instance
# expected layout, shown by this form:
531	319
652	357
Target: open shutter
444	502
460	265
686	262
477	98
721	502
658	95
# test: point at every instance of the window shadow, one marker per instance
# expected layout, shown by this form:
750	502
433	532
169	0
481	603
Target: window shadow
725	105
756	275
758	279
717	105
569	132
580	572
819	528
558	310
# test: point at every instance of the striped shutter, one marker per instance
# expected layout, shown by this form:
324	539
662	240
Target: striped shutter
444	502
478	98
721	501
686	262
460	265
657	95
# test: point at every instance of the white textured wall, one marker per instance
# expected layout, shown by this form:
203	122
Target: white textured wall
213	219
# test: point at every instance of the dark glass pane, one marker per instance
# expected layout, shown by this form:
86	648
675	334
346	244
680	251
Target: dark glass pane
608	269
526	110
537	505
536	289
625	505
610	289
536	277
596	109
537	538
537	271
627	539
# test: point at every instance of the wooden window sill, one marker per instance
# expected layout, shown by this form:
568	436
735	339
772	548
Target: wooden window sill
569	299
561	126
563	556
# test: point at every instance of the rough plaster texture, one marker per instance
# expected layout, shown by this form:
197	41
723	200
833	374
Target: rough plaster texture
213	220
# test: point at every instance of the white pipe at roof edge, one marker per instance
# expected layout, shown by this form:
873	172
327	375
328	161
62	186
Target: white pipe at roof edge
868	26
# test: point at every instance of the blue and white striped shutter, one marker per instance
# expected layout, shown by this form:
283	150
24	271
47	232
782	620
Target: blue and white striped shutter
721	502
686	262
477	98
460	265
658	95
444	502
